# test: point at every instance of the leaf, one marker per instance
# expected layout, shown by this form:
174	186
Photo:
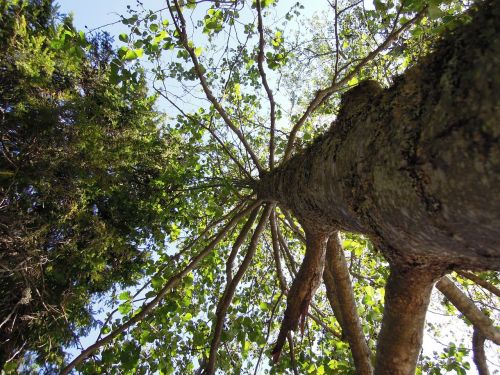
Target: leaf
125	308
124	296
124	37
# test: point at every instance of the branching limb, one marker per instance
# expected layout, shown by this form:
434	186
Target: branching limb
479	356
171	283
180	25
482	283
323	94
463	303
337	280
227	297
269	92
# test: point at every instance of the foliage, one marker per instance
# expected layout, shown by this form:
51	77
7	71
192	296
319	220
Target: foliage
87	180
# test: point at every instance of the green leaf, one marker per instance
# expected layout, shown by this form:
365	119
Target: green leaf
124	37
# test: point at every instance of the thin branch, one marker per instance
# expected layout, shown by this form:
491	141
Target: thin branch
482	283
292	354
479	356
183	37
323	94
237	244
269	324
227	297
276	252
171	283
262	72
463	303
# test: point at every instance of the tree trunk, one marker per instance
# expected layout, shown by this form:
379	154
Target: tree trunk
416	167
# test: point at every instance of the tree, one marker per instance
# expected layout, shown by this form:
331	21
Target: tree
412	167
84	170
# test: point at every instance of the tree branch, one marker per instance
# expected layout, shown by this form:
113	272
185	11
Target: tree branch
482	283
276	252
171	283
479	356
463	304
262	72
303	287
237	244
227	297
407	296
336	278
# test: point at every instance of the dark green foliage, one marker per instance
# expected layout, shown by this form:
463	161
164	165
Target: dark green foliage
83	174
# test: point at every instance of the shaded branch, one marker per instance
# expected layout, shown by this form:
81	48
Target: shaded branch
466	307
303	287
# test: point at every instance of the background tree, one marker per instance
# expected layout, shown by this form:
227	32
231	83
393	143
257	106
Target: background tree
412	168
87	178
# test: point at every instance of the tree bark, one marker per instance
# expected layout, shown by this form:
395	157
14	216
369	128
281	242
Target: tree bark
304	286
407	297
416	167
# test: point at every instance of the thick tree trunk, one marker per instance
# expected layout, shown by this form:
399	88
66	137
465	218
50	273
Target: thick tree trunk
416	167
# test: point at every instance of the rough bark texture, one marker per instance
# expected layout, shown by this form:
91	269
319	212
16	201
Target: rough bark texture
336	275
407	297
416	167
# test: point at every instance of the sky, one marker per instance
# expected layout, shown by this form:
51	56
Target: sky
91	14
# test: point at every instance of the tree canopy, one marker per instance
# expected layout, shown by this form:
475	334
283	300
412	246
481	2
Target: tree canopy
265	194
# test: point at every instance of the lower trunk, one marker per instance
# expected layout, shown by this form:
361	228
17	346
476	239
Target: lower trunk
416	167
